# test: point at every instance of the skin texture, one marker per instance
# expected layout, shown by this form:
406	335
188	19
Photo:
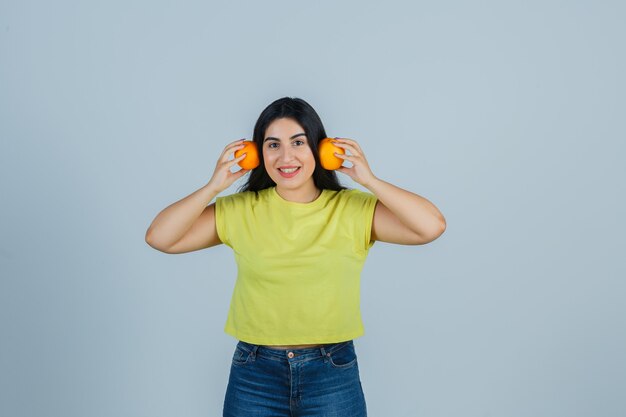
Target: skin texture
285	152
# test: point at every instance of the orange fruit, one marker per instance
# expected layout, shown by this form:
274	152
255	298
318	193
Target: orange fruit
327	156
251	160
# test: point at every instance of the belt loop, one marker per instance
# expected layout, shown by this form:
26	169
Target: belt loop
324	354
254	349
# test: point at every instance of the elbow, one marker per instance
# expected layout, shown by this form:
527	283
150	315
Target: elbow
151	242
148	237
442	228
438	233
157	247
442	224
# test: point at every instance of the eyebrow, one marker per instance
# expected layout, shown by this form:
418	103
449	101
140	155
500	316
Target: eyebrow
293	137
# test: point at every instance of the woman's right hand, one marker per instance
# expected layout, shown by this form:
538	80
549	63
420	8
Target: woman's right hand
222	177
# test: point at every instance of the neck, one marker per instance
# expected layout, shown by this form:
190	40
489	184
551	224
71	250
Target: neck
298	196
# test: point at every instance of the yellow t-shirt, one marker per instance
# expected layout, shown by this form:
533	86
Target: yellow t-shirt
298	265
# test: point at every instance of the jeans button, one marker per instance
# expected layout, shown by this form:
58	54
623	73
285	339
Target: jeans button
290	354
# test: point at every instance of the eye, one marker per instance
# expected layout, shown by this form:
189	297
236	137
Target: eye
271	143
301	141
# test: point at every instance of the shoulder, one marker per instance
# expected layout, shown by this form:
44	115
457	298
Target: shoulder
240	197
353	202
356	196
358	208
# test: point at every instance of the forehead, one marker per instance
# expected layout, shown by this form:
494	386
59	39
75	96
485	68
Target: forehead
283	128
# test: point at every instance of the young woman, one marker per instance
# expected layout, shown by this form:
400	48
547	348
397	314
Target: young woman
300	240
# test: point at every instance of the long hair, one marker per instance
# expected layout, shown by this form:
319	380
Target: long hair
302	112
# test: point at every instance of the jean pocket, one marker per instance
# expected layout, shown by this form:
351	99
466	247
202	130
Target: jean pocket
241	356
344	357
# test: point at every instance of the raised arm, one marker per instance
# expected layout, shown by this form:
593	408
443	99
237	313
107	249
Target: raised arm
400	216
189	224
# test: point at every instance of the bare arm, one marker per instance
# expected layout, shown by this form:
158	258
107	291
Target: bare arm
189	224
404	217
171	224
400	216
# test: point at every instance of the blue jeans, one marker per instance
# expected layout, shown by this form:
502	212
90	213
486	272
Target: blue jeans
318	381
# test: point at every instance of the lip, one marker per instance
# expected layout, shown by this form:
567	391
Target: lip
292	174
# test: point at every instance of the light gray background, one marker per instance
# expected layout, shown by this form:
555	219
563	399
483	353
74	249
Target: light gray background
509	117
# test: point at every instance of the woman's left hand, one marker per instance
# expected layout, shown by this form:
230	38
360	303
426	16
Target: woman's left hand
360	170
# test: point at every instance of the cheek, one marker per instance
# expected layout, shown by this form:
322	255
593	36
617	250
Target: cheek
308	156
269	161
311	160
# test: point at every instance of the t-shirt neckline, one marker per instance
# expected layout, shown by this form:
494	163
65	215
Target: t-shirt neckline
294	204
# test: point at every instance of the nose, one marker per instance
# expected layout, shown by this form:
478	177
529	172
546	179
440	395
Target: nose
286	153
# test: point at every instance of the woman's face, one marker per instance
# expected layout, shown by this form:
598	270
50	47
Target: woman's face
285	145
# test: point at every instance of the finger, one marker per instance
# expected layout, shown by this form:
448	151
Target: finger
239	158
241	172
357	146
347	140
345	156
351	148
234	145
352	142
344	170
229	150
237	141
229	163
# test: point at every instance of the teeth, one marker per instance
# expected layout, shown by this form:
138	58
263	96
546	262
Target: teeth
287	171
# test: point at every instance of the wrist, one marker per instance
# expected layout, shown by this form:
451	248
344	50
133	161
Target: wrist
210	189
371	183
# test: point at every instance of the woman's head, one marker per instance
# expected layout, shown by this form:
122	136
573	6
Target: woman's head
275	136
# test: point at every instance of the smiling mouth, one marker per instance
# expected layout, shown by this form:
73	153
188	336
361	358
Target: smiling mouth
288	171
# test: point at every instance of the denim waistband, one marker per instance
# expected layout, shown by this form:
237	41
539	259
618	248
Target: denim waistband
300	354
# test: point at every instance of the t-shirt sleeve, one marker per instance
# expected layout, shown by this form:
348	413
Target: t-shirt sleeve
223	212
363	206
